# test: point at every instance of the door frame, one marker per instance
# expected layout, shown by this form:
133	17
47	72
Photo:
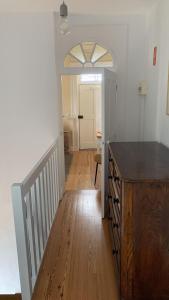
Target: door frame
93	70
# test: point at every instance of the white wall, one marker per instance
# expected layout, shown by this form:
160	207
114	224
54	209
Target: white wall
28	117
156	119
125	36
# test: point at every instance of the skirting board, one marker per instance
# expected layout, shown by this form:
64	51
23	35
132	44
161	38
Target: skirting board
11	297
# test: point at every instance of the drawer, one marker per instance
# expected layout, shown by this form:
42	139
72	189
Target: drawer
116	172
114	214
116	202
117	188
114	208
115	248
115	179
114	197
111	190
118	185
116	236
114	227
112	161
115	224
113	186
116	240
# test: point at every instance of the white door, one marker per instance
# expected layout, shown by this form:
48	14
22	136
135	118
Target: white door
87	117
109	107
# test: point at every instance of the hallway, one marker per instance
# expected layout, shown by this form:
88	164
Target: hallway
78	263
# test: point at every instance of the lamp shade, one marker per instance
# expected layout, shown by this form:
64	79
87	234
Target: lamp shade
63	10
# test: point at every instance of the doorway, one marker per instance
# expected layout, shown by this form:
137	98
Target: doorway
109	122
82	126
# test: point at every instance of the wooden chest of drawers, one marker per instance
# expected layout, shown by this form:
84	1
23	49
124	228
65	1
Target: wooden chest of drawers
138	202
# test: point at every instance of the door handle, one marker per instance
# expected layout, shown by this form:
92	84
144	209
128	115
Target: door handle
80	117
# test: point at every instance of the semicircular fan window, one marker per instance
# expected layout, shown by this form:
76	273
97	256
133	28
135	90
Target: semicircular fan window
88	54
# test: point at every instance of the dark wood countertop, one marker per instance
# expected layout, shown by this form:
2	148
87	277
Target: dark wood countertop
141	161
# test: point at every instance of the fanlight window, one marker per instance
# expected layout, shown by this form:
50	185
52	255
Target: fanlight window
88	54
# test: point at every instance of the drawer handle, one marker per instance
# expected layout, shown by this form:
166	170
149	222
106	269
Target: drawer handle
116	200
115	225
115	252
116	178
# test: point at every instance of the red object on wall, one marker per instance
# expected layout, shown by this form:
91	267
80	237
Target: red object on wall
155	56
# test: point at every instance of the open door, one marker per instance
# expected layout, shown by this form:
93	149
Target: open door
109	108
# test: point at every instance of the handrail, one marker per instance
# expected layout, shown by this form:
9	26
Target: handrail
35	201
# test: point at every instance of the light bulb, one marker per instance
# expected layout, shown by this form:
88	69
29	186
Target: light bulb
64	25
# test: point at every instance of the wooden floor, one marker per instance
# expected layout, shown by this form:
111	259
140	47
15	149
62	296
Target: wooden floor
78	263
81	171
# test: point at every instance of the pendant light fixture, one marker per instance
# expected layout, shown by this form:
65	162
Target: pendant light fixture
64	22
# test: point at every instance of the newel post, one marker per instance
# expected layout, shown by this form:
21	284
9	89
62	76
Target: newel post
19	209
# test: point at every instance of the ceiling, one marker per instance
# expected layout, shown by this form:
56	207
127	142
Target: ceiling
102	7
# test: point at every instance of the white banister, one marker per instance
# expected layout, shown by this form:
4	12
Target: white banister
35	202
